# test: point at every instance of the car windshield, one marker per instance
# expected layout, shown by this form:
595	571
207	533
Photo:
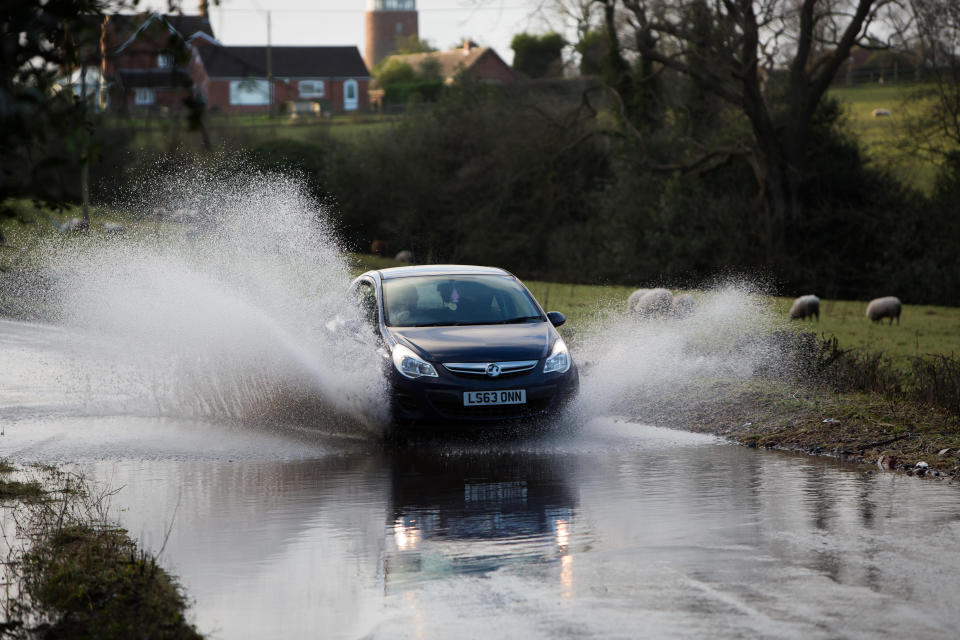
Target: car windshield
433	301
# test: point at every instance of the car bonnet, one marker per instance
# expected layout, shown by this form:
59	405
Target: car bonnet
478	343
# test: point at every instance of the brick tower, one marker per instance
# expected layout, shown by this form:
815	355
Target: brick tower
388	21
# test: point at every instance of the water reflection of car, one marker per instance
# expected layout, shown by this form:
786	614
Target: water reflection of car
476	513
468	344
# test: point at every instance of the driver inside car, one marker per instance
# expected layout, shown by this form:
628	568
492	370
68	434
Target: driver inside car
403	306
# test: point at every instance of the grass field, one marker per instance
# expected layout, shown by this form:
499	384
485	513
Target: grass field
882	138
160	133
922	330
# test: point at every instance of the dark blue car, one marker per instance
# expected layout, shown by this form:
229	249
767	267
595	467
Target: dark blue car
467	344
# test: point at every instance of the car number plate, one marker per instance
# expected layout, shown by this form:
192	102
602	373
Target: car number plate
507	396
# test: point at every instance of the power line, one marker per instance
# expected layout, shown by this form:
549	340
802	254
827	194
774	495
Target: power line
432	10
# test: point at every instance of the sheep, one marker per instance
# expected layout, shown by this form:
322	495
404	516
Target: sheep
683	305
655	303
405	256
887	307
634	299
74	225
880	113
805	307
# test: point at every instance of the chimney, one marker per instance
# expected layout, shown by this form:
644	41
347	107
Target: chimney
467	45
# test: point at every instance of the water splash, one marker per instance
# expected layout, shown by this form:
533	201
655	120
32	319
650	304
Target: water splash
217	307
631	362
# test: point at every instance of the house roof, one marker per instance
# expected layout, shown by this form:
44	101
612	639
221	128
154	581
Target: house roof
187	25
126	25
450	63
296	62
134	25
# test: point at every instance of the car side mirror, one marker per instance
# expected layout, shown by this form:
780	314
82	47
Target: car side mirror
556	318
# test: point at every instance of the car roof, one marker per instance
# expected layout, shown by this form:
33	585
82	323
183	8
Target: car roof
440	270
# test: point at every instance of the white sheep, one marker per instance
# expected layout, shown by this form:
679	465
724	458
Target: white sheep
805	307
405	256
655	303
683	305
886	307
634	299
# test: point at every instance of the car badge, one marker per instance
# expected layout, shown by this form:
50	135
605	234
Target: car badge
493	370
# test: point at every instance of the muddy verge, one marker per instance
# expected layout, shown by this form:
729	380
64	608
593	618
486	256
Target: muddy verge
860	427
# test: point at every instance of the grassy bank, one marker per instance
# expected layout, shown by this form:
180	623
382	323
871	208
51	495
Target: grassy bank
71	572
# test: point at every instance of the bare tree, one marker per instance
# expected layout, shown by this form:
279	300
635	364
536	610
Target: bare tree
773	60
934	126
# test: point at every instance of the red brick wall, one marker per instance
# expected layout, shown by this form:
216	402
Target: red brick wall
171	98
382	33
133	58
492	68
218	95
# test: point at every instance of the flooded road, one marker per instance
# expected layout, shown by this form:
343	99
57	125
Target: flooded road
618	531
191	372
246	453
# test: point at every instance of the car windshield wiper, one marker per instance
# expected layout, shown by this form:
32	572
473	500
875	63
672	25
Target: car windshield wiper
445	323
521	319
449	323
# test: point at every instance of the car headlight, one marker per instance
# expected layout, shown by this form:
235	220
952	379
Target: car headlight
559	360
410	365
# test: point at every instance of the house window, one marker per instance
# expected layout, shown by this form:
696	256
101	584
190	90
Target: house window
164	60
311	88
350	95
144	96
391	5
249	92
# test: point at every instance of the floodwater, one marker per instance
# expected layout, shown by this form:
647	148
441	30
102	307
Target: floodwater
611	530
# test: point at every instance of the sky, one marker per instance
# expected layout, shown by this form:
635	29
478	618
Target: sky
341	22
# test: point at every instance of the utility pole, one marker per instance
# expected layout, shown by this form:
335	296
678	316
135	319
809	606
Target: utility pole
269	67
85	158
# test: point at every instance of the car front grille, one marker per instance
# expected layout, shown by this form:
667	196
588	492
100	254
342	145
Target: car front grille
476	369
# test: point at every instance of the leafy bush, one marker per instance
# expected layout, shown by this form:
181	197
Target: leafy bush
933	379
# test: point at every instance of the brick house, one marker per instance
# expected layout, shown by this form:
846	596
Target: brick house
237	78
470	61
141	62
158	65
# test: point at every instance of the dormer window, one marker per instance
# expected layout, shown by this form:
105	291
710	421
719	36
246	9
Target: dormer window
164	60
